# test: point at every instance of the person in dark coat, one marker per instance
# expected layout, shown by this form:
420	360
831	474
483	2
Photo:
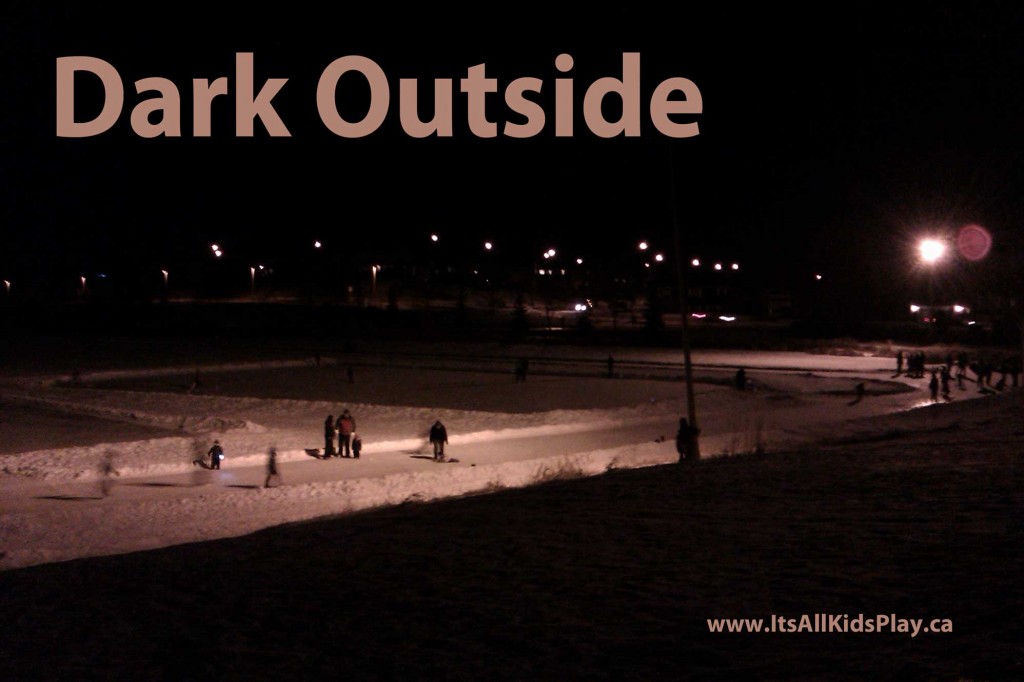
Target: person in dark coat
741	379
684	438
107	471
272	472
346	426
329	436
933	386
216	454
438	438
357	445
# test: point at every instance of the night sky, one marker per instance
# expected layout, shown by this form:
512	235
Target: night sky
828	141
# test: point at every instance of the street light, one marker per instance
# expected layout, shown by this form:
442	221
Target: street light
166	275
434	237
317	244
659	257
488	246
931	250
695	262
643	246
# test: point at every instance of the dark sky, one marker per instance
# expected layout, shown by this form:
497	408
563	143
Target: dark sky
828	139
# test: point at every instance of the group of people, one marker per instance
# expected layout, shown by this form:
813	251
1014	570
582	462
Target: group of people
343	431
956	367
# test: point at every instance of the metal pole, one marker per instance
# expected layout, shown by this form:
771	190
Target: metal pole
693	450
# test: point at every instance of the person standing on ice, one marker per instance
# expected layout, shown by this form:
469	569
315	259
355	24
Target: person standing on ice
933	386
684	438
107	470
357	445
272	472
329	436
216	454
346	427
438	438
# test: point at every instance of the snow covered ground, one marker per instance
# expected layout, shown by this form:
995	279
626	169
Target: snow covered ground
569	417
888	505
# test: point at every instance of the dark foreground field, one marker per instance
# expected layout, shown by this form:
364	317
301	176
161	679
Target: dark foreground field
609	577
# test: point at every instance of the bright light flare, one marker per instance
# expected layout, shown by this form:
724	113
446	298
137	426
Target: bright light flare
434	237
931	250
958	309
735	266
718	266
727	318
659	257
915	308
643	246
488	246
317	244
579	261
695	262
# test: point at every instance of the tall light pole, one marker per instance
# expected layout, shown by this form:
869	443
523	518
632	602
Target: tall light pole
931	251
693	447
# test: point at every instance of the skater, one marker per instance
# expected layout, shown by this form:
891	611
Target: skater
899	363
944	378
329	436
438	438
357	445
346	426
933	386
272	468
685	438
107	470
611	366
859	391
216	455
741	379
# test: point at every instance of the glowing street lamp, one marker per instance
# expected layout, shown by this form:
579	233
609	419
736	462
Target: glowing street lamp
252	280
166	275
718	266
735	266
434	237
931	250
488	246
643	246
695	262
317	244
659	257
579	261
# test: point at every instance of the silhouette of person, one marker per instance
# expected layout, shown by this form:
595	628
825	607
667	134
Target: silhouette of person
685	438
107	471
216	454
329	436
272	472
438	438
